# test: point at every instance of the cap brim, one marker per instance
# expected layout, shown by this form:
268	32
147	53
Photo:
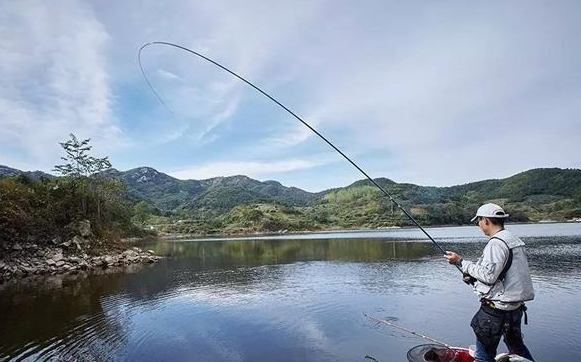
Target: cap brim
492	217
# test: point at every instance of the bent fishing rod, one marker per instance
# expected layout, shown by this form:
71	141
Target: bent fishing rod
384	191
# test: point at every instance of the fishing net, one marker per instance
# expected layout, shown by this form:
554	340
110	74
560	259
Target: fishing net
437	353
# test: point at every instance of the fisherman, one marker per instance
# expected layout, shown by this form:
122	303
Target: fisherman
502	280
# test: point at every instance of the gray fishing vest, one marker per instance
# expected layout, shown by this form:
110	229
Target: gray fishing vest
517	285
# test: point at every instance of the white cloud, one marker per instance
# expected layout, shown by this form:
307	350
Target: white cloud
436	98
207	96
429	85
54	80
294	132
167	75
295	135
204	137
172	135
254	169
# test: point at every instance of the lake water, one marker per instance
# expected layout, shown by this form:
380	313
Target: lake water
288	298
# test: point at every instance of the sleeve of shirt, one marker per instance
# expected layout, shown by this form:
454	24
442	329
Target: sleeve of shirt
490	265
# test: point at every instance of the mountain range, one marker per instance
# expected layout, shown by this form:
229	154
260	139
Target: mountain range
533	195
218	193
35	175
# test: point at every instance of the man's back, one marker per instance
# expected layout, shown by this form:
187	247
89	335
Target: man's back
517	286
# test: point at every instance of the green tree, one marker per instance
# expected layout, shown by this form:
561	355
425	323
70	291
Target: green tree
82	171
87	194
39	210
142	212
15	210
78	162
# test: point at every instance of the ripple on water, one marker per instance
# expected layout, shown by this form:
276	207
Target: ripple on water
91	335
304	309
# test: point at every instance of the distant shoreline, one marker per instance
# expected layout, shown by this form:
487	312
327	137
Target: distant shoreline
234	236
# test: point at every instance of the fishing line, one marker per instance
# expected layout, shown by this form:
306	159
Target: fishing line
391	324
384	191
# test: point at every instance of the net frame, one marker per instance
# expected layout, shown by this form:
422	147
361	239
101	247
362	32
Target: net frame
436	353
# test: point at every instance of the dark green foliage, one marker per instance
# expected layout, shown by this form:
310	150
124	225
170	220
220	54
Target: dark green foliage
232	205
142	212
266	217
78	162
551	181
222	198
39	210
16	209
239	204
211	196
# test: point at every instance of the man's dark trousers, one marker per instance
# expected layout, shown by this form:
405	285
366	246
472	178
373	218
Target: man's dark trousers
489	324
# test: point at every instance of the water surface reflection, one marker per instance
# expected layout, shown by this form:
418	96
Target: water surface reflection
284	300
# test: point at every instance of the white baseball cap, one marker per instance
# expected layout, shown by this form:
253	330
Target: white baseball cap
490	210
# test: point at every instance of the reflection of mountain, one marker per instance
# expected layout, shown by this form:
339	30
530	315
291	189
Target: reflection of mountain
247	252
65	309
218	299
61	317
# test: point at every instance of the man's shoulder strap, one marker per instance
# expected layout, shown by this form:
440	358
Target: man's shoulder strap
502	274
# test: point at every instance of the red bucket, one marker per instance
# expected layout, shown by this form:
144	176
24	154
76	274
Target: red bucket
438	353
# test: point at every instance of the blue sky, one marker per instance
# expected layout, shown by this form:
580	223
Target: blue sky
432	93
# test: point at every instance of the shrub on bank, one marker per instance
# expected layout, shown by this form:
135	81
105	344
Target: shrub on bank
39	211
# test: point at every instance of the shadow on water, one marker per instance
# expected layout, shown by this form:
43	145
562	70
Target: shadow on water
250	252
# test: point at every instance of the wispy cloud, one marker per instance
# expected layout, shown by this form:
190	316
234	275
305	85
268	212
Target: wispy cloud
204	137
55	81
172	136
167	75
293	133
290	137
256	169
429	86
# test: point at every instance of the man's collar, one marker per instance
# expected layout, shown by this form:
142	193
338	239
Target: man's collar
496	233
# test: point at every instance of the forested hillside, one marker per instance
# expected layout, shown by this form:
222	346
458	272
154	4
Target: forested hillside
239	204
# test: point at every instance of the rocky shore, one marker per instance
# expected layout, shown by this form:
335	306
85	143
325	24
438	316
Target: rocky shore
29	260
81	253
